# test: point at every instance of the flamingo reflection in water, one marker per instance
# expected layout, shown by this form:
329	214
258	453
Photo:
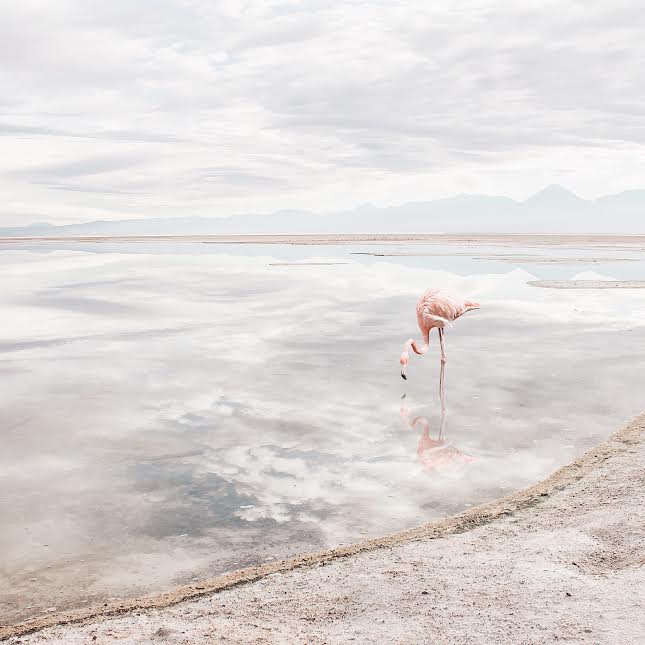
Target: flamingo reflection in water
435	454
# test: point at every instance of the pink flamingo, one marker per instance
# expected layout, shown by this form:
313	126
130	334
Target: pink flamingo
435	308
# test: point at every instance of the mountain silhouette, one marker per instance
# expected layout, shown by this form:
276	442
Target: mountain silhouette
551	210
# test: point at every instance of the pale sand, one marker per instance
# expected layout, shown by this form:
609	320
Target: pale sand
561	560
588	284
614	242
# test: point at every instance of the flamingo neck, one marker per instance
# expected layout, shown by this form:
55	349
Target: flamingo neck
418	350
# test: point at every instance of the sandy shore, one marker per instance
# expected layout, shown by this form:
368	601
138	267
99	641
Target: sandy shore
562	560
613	242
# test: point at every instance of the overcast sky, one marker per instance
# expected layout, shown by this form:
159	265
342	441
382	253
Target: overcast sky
141	108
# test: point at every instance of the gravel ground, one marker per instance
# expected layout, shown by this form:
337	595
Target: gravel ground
562	561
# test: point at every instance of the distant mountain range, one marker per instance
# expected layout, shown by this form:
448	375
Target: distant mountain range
552	210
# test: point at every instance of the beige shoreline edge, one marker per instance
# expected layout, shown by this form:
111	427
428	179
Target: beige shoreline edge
541	239
617	443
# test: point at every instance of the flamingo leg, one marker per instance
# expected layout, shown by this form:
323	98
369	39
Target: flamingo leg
442	397
443	349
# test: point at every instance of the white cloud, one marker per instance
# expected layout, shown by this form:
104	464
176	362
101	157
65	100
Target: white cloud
192	107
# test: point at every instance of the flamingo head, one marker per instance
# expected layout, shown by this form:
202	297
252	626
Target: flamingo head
404	362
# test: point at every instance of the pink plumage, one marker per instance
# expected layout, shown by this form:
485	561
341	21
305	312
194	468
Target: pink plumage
436	308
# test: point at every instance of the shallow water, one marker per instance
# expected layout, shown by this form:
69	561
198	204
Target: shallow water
170	412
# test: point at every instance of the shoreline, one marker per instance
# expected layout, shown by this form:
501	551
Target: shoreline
503	239
529	500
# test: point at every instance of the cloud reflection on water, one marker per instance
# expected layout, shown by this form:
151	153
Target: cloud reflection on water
234	411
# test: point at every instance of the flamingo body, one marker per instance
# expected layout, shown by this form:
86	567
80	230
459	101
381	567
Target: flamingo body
436	308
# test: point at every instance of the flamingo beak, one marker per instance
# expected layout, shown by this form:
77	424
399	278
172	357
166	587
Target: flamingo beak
403	376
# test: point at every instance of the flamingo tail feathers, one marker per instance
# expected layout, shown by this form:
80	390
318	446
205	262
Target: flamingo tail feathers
470	306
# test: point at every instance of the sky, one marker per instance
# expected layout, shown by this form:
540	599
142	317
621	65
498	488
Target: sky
122	109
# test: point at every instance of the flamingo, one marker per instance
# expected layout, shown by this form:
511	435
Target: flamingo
435	308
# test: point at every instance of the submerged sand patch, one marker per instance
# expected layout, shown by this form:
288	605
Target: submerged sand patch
588	284
305	264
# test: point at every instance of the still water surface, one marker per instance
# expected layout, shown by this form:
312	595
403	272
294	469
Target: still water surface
169	412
